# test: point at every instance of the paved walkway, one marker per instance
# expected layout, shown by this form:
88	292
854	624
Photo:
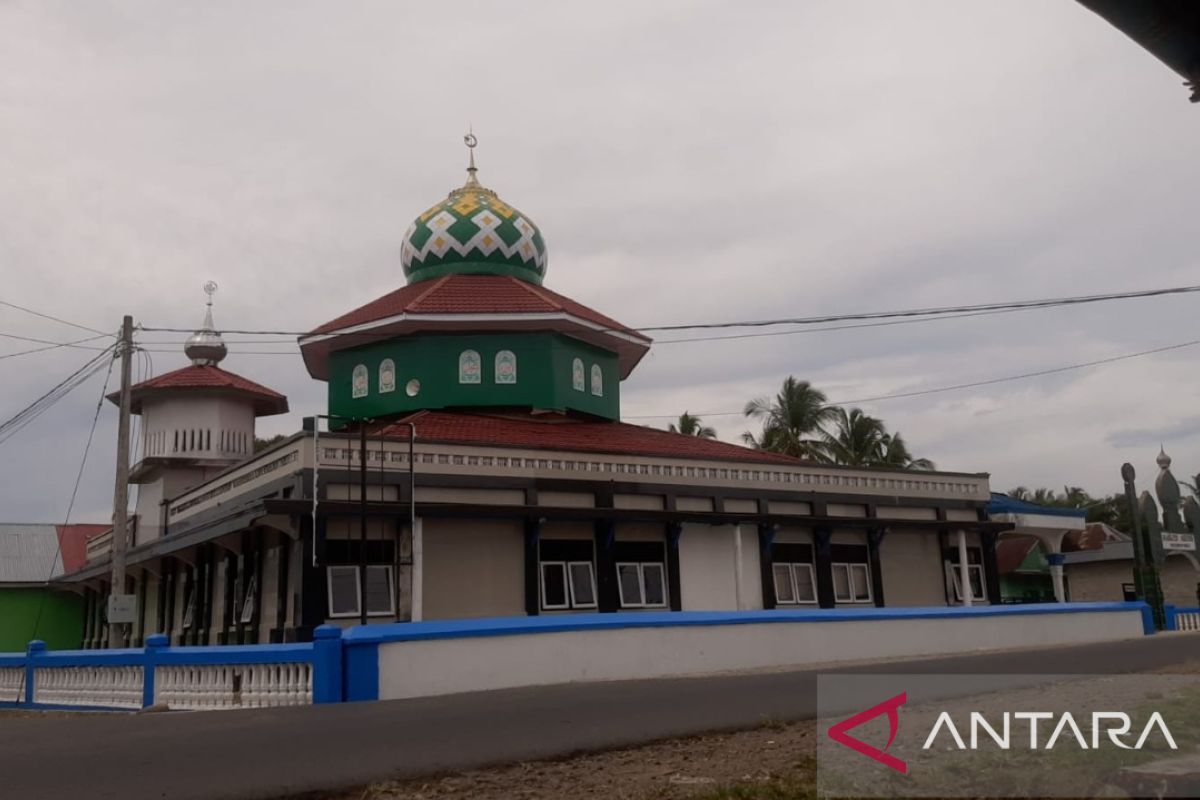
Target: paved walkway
278	752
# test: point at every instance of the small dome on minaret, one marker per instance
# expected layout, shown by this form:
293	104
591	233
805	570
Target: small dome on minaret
205	347
1163	460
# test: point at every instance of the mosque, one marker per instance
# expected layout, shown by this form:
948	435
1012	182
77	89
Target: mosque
473	463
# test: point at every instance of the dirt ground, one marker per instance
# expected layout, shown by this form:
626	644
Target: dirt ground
776	761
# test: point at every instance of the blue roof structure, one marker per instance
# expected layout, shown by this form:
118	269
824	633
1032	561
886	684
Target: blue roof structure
1003	504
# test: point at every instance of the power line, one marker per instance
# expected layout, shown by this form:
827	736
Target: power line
14	424
933	312
56	345
50	317
955	387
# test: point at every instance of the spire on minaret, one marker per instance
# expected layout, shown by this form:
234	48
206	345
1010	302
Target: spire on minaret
470	141
205	347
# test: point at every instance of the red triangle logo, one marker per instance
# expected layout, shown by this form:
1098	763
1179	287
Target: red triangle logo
890	707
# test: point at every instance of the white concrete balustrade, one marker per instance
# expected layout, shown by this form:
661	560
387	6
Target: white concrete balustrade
12	684
1187	621
224	686
103	686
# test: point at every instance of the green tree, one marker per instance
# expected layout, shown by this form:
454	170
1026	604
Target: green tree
690	425
895	453
263	444
855	439
793	420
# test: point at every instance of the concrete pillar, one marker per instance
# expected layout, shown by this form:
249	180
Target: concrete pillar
418	572
964	569
737	567
1055	560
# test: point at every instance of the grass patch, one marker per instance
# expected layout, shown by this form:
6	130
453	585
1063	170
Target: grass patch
800	785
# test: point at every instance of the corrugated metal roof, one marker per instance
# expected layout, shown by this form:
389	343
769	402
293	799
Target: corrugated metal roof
28	553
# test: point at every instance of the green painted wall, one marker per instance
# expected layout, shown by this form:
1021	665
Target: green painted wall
54	617
544	376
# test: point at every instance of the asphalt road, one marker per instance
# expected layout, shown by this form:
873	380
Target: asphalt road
281	752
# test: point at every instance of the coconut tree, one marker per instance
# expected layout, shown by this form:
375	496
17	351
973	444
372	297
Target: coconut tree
690	425
855	439
893	452
793	420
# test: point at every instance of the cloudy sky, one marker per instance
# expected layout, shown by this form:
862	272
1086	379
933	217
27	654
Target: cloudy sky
686	161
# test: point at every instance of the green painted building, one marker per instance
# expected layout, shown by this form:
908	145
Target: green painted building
30	557
474	328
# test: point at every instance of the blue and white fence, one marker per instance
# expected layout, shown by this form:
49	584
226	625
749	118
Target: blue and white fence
415	659
1179	618
194	678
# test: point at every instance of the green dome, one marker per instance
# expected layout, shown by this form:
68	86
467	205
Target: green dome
473	232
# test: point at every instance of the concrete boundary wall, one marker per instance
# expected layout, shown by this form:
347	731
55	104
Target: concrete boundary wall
433	658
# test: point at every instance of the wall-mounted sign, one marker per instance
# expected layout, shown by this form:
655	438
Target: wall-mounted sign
1179	541
122	609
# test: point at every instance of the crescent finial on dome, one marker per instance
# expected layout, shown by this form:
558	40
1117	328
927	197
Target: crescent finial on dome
205	347
470	140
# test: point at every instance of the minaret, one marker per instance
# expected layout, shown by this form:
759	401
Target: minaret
195	422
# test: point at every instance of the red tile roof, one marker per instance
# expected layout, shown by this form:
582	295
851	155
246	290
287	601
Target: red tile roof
472	294
196	376
1011	552
555	432
72	543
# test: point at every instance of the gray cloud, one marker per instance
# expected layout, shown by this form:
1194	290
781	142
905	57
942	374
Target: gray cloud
1178	432
686	160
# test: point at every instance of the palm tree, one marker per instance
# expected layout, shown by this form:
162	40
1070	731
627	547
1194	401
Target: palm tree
855	440
690	426
894	453
792	421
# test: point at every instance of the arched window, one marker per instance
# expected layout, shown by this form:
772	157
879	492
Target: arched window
597	381
176	449
506	367
578	379
387	376
359	382
470	367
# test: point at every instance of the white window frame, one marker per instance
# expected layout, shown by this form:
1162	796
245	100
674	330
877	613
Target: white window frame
791	567
357	611
189	609
956	580
641	573
571	583
851	567
248	602
359	592
390	611
568	584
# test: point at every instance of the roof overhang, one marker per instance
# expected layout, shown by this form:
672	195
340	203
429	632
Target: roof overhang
264	405
1168	29
630	347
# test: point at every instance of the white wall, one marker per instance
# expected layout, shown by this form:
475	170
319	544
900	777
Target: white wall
445	666
706	568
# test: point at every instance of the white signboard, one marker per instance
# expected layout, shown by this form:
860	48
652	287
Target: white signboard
122	608
1178	541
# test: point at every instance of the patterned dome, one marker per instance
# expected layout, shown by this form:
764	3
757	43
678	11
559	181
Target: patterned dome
473	232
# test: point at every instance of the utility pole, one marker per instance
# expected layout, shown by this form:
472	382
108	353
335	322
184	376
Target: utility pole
120	535
362	520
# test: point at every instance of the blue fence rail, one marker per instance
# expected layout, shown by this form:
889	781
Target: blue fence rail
1182	618
183	677
338	667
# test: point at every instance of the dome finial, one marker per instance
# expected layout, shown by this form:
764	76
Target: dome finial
205	347
1163	460
470	141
